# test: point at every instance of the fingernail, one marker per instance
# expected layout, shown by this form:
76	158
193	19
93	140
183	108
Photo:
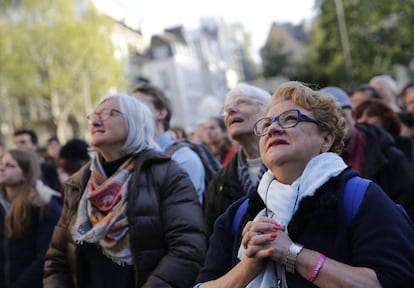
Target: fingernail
270	251
276	227
273	235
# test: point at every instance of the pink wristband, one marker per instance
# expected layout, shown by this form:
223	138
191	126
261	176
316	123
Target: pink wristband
317	268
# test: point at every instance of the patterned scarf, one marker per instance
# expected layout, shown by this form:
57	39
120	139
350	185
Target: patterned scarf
244	175
101	216
283	200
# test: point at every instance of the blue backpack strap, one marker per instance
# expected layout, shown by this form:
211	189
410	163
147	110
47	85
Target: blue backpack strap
239	215
354	192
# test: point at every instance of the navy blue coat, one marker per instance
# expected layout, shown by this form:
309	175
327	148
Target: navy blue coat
379	237
21	260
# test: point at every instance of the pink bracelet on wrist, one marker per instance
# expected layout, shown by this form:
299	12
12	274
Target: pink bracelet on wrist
317	268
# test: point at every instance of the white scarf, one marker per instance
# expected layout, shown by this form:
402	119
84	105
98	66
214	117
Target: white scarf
283	201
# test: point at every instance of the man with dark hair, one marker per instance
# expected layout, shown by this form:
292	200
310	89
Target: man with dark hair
160	106
27	140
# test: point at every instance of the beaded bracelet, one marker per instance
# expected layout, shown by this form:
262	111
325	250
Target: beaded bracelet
317	268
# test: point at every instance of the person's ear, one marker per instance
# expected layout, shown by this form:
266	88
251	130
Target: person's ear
327	142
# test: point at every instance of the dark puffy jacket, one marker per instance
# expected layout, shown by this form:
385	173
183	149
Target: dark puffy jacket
21	260
163	203
387	166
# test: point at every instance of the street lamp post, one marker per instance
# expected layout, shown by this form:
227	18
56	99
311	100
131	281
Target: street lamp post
344	42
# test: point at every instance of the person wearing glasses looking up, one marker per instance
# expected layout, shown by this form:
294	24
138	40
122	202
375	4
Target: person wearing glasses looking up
294	232
131	217
243	106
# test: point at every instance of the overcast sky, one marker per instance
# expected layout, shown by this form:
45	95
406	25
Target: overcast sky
256	16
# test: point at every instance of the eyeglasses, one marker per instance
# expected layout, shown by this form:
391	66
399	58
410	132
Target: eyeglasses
238	104
287	119
103	115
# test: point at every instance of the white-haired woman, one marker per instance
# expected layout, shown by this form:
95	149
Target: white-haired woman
131	216
243	107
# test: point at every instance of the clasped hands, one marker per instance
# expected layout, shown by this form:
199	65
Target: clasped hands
264	238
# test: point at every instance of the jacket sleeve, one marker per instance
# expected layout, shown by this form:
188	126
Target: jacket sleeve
382	230
183	228
56	267
221	246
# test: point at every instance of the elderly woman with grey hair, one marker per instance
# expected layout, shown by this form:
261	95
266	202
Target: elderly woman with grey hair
244	104
131	216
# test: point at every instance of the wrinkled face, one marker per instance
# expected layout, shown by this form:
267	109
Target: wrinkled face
109	134
23	142
10	171
240	114
292	146
213	133
409	100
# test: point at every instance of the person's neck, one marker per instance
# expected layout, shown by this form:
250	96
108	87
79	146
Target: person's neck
251	150
11	192
287	174
160	129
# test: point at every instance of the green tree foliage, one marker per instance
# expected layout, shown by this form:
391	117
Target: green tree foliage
275	59
58	60
380	37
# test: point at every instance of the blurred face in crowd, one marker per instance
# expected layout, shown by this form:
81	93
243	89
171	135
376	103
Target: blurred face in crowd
360	96
295	146
213	134
53	148
23	142
409	100
10	171
368	117
108	129
240	114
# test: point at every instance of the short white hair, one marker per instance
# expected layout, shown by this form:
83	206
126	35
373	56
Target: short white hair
139	121
249	91
385	80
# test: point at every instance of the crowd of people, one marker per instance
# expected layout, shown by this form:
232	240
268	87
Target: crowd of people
281	210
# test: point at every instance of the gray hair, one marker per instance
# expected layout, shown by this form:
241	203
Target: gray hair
385	80
139	121
249	91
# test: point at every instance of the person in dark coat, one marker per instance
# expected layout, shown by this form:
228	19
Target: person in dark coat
295	232
131	217
371	151
28	215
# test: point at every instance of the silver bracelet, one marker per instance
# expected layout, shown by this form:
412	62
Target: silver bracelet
293	252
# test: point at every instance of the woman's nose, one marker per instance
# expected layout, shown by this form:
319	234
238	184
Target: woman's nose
275	128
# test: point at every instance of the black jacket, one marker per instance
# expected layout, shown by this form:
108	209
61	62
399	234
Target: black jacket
223	190
387	166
